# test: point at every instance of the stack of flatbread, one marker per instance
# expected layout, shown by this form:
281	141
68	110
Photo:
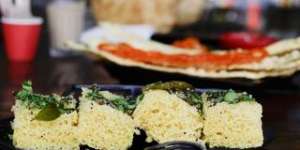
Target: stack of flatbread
283	59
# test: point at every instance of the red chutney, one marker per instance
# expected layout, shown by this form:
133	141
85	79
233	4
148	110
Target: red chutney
207	60
190	43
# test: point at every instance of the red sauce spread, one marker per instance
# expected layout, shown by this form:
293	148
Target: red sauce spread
190	43
206	60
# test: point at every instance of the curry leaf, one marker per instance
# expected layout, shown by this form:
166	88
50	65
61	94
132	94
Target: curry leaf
49	113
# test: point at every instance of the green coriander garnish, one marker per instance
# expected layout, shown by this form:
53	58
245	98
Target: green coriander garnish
183	90
51	106
31	99
229	96
118	102
139	98
171	85
192	98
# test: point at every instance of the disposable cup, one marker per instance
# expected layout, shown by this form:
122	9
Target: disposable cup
21	36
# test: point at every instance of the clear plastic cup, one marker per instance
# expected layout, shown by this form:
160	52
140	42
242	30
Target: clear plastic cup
66	22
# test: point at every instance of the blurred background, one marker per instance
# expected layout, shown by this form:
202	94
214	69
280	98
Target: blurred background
172	19
204	18
273	16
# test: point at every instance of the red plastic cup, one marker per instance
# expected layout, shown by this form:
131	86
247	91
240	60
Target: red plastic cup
21	37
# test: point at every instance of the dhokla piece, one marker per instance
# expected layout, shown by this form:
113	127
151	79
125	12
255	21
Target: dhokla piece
44	122
232	120
166	117
103	121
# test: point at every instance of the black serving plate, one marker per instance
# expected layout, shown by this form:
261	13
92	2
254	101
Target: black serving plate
138	141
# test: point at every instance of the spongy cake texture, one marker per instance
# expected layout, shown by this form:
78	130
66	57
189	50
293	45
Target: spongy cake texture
103	127
32	134
165	117
104	120
233	125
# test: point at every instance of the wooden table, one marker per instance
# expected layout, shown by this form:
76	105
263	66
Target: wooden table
281	116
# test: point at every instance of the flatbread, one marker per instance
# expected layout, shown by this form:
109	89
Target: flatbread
160	47
287	61
282	62
284	46
198	72
277	48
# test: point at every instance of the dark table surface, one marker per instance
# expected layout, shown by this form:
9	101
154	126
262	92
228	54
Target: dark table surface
280	99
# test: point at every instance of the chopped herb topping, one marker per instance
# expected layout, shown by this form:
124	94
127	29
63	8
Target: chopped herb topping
51	106
191	97
171	85
186	92
139	98
31	99
229	96
183	90
116	101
